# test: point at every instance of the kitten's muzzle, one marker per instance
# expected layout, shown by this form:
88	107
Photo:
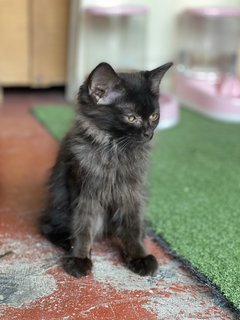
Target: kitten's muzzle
147	135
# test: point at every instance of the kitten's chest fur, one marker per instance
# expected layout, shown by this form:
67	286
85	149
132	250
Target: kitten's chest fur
110	172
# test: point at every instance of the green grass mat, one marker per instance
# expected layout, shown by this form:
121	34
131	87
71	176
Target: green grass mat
194	184
56	118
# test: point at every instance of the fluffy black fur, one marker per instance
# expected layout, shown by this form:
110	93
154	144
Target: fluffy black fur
96	185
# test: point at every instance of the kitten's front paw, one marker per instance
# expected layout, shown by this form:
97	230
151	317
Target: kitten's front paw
144	266
77	267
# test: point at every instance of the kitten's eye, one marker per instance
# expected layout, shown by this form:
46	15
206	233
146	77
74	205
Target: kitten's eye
131	118
154	117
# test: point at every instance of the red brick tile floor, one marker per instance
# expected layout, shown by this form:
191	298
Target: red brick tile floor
32	284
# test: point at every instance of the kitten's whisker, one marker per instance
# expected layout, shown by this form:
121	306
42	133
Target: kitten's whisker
124	144
121	141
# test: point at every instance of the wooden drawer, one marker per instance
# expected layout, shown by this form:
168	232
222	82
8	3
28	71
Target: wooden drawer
33	42
14	42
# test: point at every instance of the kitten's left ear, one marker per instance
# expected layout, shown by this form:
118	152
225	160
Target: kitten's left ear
155	77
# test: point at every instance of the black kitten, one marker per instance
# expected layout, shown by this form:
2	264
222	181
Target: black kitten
96	186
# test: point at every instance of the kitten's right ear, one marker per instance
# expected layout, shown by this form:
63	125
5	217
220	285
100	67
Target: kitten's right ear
103	84
155	76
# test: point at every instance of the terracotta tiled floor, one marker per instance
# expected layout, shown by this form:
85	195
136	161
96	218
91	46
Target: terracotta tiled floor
32	283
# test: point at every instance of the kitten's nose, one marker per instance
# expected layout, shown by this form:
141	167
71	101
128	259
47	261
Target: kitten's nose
148	135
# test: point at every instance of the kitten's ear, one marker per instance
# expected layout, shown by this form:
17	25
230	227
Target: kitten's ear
103	84
155	77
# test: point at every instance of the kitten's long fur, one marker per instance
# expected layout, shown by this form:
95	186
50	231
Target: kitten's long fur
96	185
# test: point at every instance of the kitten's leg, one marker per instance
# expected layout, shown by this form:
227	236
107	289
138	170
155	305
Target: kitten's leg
79	263
132	235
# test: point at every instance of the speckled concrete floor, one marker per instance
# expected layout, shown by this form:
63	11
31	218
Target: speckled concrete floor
32	283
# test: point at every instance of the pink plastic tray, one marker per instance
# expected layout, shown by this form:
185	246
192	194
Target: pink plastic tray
206	98
213	11
116	10
169	111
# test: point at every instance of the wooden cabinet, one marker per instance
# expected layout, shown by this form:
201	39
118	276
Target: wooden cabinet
33	42
14	42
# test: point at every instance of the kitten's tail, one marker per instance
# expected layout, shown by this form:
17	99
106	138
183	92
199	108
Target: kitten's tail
56	233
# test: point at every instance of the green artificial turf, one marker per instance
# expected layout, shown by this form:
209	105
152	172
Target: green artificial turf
56	118
194	184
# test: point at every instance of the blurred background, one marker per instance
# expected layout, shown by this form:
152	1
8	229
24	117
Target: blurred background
55	43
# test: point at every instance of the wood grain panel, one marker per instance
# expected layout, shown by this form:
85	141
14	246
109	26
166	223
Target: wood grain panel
14	42
49	41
